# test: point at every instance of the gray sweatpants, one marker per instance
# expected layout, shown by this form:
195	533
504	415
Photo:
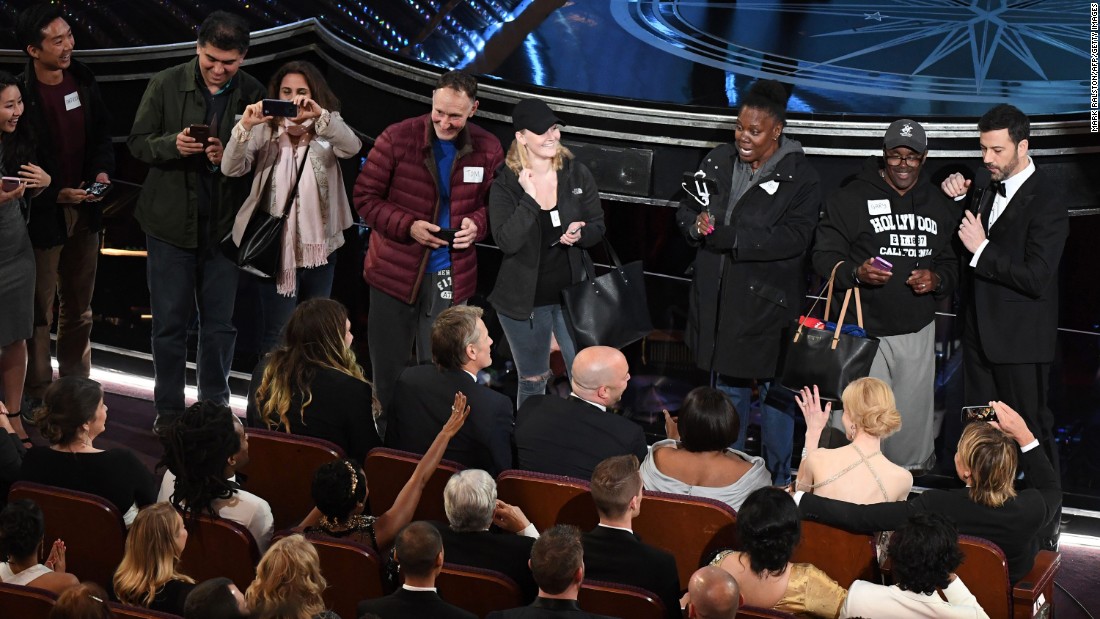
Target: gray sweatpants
908	364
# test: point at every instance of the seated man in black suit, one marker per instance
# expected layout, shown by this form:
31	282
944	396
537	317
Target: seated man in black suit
571	436
470	499
713	593
557	562
419	552
612	552
423	396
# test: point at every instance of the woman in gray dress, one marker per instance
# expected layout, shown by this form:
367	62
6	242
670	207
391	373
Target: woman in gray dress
21	180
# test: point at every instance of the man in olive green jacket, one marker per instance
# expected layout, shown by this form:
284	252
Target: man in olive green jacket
187	207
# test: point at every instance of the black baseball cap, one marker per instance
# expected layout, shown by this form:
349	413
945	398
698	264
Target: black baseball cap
906	132
534	115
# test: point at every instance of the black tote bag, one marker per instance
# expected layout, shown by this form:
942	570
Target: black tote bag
609	310
826	358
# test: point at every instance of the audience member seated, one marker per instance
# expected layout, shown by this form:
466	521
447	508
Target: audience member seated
86	600
419	552
149	575
769	528
217	598
470	499
571	436
557	562
460	348
924	553
288	583
712	594
312	385
612	552
22	531
72	416
203	448
857	472
989	507
11	454
340	492
697	459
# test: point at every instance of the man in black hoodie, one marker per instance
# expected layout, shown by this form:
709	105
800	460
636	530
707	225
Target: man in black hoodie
888	214
70	120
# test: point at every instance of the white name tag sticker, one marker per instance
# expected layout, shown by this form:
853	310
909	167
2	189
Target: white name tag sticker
473	175
770	187
72	101
555	218
878	207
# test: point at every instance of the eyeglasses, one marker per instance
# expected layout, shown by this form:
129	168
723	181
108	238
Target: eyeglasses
912	160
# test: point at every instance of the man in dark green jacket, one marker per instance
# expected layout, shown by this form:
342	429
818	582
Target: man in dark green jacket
186	207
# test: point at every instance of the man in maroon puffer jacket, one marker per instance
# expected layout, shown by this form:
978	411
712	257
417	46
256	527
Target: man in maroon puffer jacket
423	192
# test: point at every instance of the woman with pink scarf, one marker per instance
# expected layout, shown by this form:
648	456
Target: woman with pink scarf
273	147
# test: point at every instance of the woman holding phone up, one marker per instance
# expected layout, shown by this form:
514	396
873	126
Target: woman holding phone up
273	147
542	206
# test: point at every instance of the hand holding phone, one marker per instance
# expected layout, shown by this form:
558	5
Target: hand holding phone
278	107
879	263
446	234
97	190
978	413
9	184
200	133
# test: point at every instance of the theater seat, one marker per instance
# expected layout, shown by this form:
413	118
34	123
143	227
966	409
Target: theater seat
845	557
688	527
218	547
353	572
477	590
19	602
387	471
606	598
547	499
754	612
286	489
985	572
90	525
122	611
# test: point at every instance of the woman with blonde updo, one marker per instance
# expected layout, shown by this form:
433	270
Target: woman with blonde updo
856	472
149	575
288	583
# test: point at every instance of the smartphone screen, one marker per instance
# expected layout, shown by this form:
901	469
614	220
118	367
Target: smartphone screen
201	133
978	413
278	107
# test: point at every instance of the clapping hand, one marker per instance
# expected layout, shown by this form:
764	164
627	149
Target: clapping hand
56	560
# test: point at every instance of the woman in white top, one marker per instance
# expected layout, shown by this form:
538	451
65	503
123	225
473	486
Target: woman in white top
696	458
857	472
22	528
924	554
273	147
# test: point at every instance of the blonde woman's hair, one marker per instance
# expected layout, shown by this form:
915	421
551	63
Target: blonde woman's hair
516	159
870	405
288	583
151	558
990	455
313	338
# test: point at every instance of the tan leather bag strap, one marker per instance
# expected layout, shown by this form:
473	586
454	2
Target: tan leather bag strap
828	301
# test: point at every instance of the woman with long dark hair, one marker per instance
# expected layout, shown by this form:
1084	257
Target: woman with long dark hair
272	148
22	180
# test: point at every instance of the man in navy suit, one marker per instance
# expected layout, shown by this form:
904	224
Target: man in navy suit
571	436
423	396
419	551
1014	231
612	552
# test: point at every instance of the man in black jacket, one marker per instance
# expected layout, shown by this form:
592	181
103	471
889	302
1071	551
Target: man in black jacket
889	215
64	106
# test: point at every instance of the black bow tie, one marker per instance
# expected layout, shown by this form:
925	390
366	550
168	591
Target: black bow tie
999	187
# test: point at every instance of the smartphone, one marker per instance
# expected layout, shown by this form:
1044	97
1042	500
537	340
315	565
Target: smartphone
278	107
879	263
978	413
201	133
98	189
11	183
447	234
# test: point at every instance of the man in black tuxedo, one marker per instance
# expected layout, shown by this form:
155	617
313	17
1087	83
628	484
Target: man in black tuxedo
612	552
1014	232
470	499
571	436
557	562
419	551
423	396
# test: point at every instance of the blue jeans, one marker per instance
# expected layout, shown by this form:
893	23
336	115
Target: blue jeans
181	280
314	283
530	343
776	426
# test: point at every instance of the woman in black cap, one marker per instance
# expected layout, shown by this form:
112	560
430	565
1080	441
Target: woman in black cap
543	206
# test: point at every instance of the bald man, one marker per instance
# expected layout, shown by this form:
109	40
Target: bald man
571	436
713	594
